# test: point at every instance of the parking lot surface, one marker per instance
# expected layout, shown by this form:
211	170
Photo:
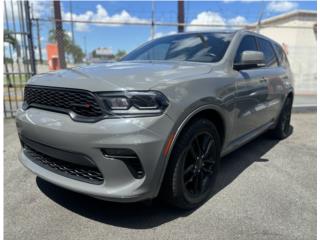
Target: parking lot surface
266	190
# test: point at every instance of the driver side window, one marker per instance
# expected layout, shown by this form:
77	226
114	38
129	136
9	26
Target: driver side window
248	43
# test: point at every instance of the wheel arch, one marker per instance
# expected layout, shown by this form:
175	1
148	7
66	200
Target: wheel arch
211	114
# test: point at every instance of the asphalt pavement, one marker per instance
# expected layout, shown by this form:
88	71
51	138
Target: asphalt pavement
266	190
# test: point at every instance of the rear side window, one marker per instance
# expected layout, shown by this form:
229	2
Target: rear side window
248	43
268	51
282	56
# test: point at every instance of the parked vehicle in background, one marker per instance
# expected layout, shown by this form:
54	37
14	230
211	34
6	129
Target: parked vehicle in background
158	122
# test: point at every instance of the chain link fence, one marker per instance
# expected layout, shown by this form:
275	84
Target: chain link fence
19	60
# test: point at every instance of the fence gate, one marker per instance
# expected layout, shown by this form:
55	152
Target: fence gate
19	60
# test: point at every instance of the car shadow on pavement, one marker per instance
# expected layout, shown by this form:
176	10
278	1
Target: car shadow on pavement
142	216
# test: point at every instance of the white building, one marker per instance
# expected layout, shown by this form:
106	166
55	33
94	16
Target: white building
296	32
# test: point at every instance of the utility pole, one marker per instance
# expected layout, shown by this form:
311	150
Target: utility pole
71	14
180	16
152	19
39	41
59	33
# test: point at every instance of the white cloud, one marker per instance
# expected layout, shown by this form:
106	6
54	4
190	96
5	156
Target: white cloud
214	18
81	27
206	18
238	20
101	15
281	6
38	9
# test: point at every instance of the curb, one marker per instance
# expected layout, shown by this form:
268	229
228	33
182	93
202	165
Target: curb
304	108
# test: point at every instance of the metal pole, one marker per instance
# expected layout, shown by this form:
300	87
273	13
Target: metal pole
152	19
85	47
18	47
180	16
39	42
24	47
260	18
59	33
72	31
30	40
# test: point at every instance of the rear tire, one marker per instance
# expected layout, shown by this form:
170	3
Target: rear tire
193	166
283	128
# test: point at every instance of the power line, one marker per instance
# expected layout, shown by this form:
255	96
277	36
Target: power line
148	23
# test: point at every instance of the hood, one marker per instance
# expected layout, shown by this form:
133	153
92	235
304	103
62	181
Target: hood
121	75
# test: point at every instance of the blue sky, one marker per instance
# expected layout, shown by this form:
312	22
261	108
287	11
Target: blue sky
128	37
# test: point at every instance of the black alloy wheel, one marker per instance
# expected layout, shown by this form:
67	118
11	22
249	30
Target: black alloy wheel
193	165
198	164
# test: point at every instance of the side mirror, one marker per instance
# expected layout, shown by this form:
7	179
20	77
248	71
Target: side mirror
250	59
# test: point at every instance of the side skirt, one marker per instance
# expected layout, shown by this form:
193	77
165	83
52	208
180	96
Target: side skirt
239	142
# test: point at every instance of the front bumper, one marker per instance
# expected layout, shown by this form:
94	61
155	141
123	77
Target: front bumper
145	136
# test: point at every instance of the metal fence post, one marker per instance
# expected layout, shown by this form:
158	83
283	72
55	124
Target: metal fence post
30	38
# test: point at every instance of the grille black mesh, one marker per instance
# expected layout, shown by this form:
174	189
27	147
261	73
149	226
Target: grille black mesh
81	102
81	173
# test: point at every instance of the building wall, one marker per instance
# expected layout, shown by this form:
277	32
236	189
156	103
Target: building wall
301	44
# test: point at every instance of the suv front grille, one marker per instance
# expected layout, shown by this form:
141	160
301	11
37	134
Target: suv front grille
67	169
81	102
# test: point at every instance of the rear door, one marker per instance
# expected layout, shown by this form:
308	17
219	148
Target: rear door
251	93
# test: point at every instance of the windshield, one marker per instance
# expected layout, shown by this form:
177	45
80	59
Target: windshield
195	47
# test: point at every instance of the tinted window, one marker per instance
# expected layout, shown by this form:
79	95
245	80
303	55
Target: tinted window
248	43
282	56
197	47
157	52
268	51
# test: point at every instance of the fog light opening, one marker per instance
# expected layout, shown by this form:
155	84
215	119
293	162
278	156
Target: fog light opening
128	157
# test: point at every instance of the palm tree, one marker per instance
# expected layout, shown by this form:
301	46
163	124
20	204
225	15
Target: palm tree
9	38
70	48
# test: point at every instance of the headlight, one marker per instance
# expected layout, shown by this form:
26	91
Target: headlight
134	102
117	103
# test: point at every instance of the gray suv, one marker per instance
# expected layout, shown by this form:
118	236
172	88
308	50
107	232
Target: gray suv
157	122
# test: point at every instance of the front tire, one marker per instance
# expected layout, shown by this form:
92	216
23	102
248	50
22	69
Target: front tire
193	166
